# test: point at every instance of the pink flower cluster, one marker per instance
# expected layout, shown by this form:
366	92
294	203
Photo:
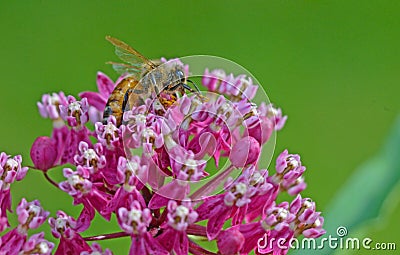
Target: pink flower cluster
145	173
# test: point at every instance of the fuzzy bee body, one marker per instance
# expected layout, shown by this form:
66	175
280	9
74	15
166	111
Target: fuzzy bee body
118	100
145	79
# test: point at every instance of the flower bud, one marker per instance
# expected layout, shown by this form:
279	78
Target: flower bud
262	130
246	151
230	242
43	153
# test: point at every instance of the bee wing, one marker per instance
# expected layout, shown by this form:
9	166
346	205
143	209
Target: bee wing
122	68
128	54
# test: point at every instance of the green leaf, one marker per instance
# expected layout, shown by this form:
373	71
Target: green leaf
361	198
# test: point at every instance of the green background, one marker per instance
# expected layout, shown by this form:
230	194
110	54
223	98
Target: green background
332	66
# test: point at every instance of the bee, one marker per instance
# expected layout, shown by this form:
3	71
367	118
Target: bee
143	79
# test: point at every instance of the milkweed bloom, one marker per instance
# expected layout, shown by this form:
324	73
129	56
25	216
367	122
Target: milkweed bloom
182	166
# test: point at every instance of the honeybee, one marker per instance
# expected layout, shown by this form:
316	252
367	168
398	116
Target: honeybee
144	78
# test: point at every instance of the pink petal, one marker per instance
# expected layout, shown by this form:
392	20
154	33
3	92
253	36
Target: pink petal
94	99
104	84
172	190
85	218
181	247
215	223
168	239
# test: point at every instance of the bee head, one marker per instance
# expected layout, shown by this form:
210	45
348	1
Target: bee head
180	75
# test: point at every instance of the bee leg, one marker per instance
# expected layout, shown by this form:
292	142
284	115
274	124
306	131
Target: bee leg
197	91
125	103
175	87
194	84
107	113
187	87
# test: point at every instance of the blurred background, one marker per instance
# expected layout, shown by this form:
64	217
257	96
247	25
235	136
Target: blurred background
332	66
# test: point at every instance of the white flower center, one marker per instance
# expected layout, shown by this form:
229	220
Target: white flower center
293	162
256	178
244	83
60	223
110	128
215	127
90	154
54	99
220	74
140	118
74	180
148	133
282	213
169	142
182	211
300	180
133	167
191	163
307	204
74	106
226	108
35	209
317	223
272	112
241	188
12	163
43	247
135	215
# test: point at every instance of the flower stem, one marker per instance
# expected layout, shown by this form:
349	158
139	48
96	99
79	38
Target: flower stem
196	230
48	178
211	185
55	184
197	250
106	236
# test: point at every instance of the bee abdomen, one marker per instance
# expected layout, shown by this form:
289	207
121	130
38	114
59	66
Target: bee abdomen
117	100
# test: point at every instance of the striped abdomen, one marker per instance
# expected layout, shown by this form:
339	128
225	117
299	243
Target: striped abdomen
117	102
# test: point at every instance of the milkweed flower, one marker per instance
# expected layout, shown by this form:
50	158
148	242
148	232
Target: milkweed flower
37	245
49	107
174	236
84	191
91	158
310	222
176	165
108	134
135	221
10	171
31	215
76	112
275	114
234	87
67	230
